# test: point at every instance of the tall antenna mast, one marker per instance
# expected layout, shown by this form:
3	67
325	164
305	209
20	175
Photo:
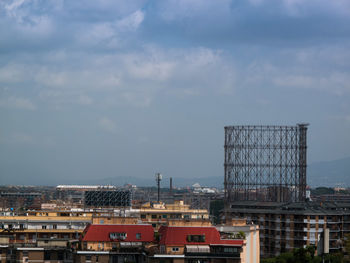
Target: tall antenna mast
158	179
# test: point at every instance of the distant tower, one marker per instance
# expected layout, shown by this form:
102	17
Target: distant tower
158	179
171	186
265	163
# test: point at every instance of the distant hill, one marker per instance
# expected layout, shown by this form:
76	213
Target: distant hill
331	173
215	181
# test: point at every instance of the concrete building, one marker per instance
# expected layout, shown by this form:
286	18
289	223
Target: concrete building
251	250
41	236
285	226
115	243
196	244
27	229
158	214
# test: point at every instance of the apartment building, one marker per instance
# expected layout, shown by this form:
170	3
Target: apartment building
250	233
41	235
157	214
285	226
196	244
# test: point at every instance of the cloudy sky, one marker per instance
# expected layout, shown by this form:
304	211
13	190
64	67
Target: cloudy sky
96	89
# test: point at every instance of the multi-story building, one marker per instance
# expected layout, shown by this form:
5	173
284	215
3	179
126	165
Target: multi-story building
115	243
27	229
250	232
285	226
196	244
158	214
142	243
41	235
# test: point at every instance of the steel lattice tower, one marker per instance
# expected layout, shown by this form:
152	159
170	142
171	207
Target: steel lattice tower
265	163
103	198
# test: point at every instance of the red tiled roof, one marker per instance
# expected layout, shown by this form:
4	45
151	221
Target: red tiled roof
171	235
100	233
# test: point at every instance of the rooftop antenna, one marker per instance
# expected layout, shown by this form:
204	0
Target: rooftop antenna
158	179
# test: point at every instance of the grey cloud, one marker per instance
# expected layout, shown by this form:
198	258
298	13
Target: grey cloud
17	103
107	125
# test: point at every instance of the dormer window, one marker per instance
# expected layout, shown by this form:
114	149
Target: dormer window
118	235
196	238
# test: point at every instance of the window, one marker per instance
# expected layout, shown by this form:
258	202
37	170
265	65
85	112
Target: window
118	235
154	225
47	255
175	249
101	221
138	235
96	258
60	255
196	238
230	250
88	258
43	227
21	226
165	216
143	216
54	226
187	216
25	253
154	216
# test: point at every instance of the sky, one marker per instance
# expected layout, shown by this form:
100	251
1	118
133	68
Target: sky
99	89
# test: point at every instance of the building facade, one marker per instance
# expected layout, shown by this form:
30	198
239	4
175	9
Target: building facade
285	226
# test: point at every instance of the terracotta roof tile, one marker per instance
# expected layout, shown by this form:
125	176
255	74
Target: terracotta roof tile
100	233
178	236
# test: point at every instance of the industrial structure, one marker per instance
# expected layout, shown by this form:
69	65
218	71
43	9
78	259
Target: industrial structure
104	198
265	183
266	163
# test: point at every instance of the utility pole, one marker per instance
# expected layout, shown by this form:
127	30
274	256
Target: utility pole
158	179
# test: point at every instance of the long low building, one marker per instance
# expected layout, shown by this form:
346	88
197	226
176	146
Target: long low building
27	229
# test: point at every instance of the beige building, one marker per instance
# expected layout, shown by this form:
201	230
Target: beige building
159	214
251	250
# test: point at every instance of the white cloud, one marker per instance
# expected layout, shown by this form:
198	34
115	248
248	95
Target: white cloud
130	78
107	125
17	103
179	9
98	34
157	69
39	26
131	22
12	7
14	73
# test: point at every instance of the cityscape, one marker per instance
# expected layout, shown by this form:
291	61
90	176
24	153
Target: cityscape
265	210
174	131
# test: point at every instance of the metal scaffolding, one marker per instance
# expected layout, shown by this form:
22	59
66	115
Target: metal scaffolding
102	198
265	163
